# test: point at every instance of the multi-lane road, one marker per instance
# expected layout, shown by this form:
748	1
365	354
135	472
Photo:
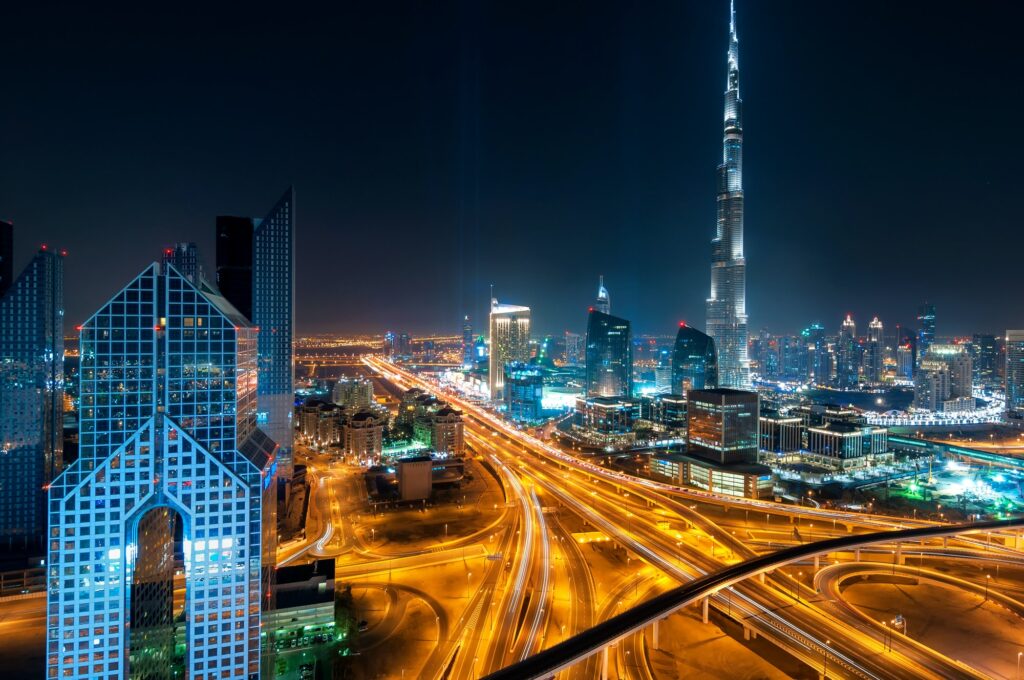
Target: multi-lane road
686	534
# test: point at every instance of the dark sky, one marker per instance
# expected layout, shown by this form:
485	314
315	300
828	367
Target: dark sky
437	148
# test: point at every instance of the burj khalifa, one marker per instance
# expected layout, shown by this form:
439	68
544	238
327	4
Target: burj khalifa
727	305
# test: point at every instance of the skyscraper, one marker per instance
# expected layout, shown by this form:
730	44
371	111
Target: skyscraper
31	395
925	330
943	381
727	305
256	273
168	435
510	341
603	303
694	361
986	359
847	362
573	348
609	356
819	360
1015	376
874	352
467	343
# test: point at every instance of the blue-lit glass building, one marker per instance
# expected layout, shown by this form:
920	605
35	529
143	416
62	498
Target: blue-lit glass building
31	396
169	446
273	311
609	356
256	273
524	391
694	361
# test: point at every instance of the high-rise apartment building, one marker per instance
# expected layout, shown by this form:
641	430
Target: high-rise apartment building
1015	376
727	304
905	361
510	341
609	356
694	361
944	380
168	435
819	361
353	393
31	396
256	273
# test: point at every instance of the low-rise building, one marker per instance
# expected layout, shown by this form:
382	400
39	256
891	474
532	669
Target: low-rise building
363	435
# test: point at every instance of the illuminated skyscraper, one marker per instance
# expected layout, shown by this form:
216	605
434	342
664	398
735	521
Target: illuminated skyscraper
986	359
168	434
603	303
847	362
873	352
925	330
727	305
467	343
510	341
31	395
256	273
694	361
609	356
943	381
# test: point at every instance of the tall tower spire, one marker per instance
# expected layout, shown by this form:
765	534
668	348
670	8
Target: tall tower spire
604	302
727	306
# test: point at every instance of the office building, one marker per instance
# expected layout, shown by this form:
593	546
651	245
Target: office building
415	477
524	392
944	380
510	341
925	330
779	434
845	445
31	397
1015	376
256	273
185	258
905	362
606	420
986	359
722	425
694	361
353	393
234	261
179	444
819	359
574	349
727	304
609	356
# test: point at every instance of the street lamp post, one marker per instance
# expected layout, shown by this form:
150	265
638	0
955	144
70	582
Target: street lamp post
988	578
824	669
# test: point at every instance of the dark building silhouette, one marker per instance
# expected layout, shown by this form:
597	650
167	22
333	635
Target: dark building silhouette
694	361
609	356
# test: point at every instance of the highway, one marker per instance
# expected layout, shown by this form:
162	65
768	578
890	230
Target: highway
777	608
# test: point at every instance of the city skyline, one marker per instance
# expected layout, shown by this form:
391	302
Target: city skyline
645	178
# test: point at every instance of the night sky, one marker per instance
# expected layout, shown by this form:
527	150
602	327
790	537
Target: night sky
438	148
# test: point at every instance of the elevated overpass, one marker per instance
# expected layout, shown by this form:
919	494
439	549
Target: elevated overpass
577	648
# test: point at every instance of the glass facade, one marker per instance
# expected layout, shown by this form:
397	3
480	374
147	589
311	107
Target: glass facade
609	356
727	305
273	305
722	425
31	395
168	420
524	391
694	361
510	341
